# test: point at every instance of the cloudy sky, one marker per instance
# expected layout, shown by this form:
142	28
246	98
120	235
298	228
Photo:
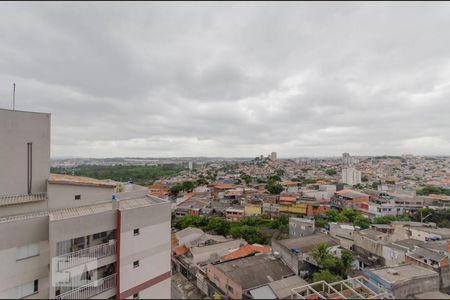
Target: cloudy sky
198	79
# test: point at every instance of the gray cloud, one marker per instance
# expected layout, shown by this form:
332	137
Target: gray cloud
155	79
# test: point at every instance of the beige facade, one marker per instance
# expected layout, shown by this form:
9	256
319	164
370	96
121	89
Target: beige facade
74	237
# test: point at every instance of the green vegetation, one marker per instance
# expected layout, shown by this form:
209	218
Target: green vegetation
250	229
441	217
389	219
273	186
331	171
332	268
431	189
364	178
390	182
326	276
143	175
347	215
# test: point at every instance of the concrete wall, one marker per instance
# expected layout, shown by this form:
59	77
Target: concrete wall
63	195
392	256
25	208
222	281
16	130
15	272
290	258
300	227
151	248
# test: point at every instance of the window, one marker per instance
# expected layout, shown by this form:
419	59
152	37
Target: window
136	296
136	231
27	251
230	288
136	264
27	289
100	235
77	197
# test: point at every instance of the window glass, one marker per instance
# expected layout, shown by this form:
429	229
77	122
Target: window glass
26	251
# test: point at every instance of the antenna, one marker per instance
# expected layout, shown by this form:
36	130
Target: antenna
14	96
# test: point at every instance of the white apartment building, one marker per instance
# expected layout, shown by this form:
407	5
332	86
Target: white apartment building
69	237
351	176
273	156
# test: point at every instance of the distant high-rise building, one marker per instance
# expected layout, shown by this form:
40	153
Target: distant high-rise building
190	165
351	176
273	156
347	160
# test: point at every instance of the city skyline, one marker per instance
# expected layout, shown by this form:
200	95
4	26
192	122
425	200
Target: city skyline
231	80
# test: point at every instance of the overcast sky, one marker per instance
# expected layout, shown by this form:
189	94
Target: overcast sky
198	79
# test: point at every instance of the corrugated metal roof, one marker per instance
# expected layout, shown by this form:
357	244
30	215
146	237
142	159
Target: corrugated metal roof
19	199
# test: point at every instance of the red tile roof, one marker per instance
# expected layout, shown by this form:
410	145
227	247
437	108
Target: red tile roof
286	198
246	251
181	250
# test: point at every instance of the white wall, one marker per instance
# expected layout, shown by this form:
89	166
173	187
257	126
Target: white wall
14	273
16	130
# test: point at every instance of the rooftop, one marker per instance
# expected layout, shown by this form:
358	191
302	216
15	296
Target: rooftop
282	288
20	199
421	254
408	243
246	250
78	180
74	212
308	243
351	194
221	249
399	273
254	271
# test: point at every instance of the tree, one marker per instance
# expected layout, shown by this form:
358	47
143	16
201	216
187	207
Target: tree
326	276
361	222
201	181
365	178
252	235
176	189
320	253
280	172
331	171
188	186
219	226
347	259
275	189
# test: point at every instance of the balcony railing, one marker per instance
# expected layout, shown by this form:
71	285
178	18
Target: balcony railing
91	289
84	255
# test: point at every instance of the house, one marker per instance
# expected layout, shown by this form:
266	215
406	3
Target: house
251	210
279	289
294	208
235	278
433	256
246	250
300	227
234	214
344	232
351	199
294	251
404	281
377	248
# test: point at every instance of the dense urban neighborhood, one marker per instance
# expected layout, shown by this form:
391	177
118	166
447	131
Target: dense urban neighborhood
271	228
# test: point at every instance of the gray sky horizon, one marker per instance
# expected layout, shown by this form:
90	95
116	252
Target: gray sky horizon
231	79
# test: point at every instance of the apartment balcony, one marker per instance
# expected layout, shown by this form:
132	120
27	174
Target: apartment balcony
72	259
91	289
